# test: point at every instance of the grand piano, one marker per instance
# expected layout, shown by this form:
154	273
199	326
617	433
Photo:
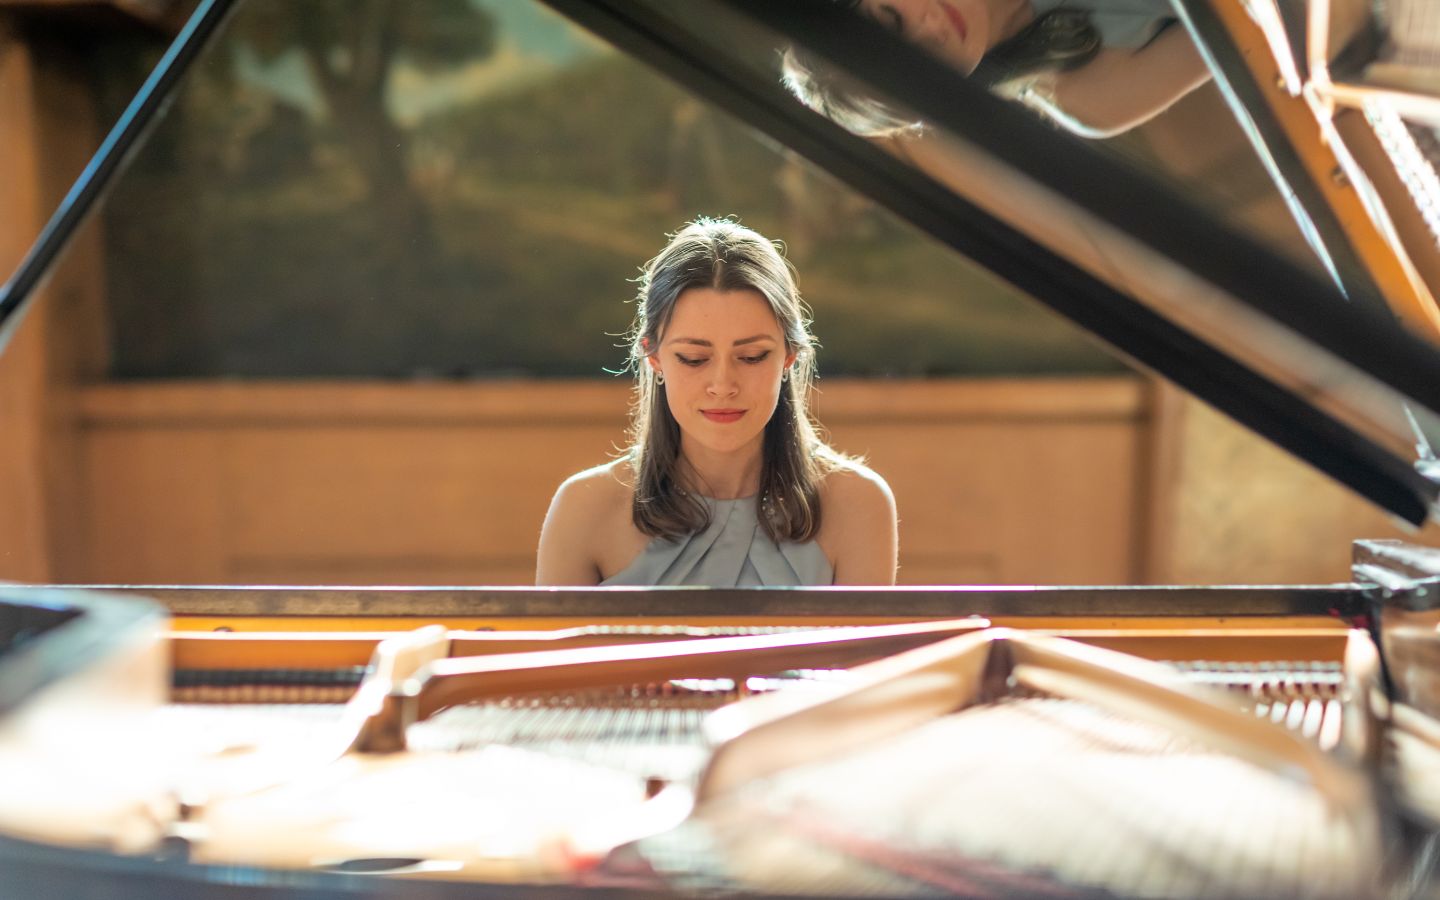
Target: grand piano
1089	741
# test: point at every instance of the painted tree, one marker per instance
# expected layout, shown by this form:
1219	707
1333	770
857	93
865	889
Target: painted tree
352	50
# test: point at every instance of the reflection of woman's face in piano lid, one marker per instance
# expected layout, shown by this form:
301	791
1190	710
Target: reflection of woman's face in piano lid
957	32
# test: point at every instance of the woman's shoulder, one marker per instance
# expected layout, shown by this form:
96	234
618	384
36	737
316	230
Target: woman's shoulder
587	527
599	489
849	485
859	527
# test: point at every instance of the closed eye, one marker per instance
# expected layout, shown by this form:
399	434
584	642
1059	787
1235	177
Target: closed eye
690	361
758	358
891	18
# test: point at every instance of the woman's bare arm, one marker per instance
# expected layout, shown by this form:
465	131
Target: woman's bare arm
859	531
1120	89
566	555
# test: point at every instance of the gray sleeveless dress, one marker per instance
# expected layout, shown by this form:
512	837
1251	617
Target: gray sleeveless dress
733	552
1126	24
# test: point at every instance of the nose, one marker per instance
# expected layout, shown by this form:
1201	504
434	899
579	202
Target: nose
928	27
723	381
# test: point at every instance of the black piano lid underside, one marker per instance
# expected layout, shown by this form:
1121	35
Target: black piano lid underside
1140	205
1142	208
1329	232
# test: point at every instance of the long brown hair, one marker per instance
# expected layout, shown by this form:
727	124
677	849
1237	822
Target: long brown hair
1057	40
723	255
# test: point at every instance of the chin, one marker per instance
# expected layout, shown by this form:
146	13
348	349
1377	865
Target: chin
723	442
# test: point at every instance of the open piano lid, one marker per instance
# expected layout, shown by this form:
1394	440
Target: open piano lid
1327	373
1342	101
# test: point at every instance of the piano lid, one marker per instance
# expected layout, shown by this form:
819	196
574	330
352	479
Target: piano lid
1134	252
1309	354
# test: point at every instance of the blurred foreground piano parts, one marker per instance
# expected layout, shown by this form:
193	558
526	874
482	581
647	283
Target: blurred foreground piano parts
937	756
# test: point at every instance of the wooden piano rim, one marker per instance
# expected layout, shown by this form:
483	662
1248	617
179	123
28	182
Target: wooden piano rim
672	602
336	649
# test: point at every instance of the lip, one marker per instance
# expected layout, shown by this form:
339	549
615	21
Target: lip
723	416
957	21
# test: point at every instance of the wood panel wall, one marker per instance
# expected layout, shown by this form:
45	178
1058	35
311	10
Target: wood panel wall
997	481
25	553
1244	510
47	124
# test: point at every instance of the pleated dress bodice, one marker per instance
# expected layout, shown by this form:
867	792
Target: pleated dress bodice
733	551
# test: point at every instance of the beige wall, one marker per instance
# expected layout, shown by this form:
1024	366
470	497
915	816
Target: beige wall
25	550
1006	481
1244	510
47	129
997	481
1001	481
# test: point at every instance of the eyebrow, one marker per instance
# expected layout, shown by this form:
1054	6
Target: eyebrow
701	342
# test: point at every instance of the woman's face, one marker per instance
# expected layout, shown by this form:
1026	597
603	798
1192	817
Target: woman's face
957	32
722	356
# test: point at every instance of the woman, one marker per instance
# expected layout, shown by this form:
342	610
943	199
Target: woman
1096	67
726	481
